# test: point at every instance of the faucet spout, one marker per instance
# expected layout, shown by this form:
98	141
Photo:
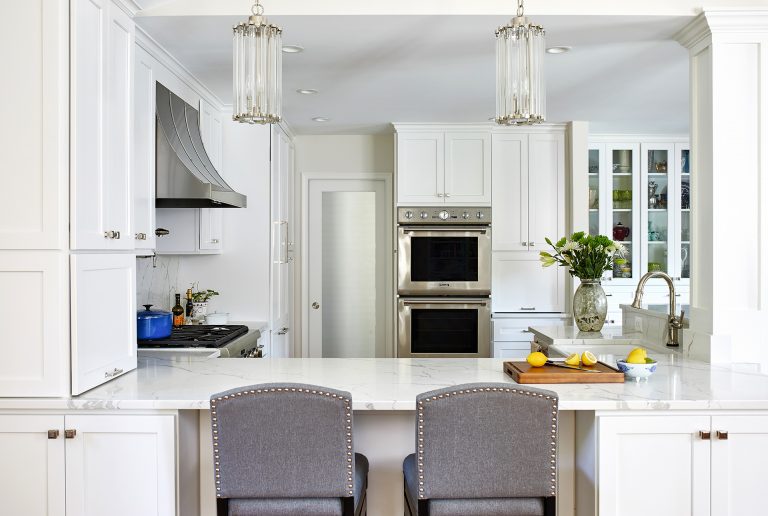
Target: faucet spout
674	323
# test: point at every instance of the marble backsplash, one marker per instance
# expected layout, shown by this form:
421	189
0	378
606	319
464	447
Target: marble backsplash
157	285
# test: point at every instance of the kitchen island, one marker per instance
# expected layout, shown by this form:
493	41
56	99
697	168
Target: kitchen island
690	396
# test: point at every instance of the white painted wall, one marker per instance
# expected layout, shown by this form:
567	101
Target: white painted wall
241	273
352	154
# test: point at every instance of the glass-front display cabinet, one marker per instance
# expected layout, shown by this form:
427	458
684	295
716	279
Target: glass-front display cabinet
613	211
639	195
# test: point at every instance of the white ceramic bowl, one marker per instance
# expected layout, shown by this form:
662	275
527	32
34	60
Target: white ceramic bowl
637	371
217	318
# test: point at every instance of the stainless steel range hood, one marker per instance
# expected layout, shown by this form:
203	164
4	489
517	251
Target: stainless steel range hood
186	178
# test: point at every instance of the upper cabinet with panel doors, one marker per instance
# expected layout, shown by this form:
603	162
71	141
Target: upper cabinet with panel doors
34	136
101	202
439	165
639	194
528	188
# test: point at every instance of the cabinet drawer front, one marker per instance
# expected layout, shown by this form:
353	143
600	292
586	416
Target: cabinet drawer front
510	334
511	350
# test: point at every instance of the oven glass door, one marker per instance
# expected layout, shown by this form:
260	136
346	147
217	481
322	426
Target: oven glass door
440	260
444	327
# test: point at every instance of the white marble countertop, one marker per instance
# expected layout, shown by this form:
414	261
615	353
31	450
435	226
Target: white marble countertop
554	335
184	382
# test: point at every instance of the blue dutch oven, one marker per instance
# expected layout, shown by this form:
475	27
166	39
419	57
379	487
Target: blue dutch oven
153	324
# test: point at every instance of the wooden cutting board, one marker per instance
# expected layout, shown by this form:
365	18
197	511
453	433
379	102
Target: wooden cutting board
523	372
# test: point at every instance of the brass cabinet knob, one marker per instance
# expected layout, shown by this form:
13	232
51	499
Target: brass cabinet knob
315	305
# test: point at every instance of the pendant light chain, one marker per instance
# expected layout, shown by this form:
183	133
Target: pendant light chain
519	8
257	9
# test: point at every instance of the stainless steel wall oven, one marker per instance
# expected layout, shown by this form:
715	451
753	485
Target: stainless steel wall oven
444	282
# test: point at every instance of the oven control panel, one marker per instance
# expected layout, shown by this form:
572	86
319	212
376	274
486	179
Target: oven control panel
444	215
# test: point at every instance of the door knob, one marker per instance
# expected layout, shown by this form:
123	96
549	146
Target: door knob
315	305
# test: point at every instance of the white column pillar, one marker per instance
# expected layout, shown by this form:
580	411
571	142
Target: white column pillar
729	183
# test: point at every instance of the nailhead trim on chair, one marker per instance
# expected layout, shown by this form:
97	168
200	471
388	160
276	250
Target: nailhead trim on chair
348	427
553	443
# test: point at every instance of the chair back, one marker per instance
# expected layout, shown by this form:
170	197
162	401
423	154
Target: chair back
486	440
285	440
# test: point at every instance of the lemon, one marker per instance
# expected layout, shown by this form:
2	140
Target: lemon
573	359
641	350
636	356
588	358
537	359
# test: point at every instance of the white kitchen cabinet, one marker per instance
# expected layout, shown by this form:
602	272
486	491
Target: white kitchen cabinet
32	479
34	136
103	304
437	165
521	284
102	46
121	465
679	464
144	153
88	465
197	230
281	267
529	189
34	316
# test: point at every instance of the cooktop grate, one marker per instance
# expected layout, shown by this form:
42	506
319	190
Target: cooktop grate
202	336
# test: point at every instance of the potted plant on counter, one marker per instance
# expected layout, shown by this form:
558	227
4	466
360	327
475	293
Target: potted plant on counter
200	301
586	258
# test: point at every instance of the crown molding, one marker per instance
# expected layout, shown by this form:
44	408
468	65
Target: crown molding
156	50
130	7
713	22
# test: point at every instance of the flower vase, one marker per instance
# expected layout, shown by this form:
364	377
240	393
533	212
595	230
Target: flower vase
199	310
590	306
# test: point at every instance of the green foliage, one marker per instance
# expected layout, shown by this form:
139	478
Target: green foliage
585	256
201	296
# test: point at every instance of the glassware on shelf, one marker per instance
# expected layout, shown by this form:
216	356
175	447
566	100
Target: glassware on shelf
652	200
620	232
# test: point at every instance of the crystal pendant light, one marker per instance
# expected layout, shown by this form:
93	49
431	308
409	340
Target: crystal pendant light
257	61
520	92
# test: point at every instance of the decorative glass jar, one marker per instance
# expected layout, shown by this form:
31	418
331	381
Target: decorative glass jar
590	306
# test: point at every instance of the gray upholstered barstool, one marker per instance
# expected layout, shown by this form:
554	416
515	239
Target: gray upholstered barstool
483	449
286	449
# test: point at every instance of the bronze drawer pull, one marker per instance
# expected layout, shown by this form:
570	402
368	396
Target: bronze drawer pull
723	436
705	436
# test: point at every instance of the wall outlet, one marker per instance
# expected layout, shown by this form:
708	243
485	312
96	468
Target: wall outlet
639	324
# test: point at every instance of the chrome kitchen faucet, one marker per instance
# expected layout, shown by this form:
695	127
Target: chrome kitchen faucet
674	323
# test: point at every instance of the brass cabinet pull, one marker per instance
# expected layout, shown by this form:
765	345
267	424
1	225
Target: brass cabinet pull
53	434
70	434
705	436
723	436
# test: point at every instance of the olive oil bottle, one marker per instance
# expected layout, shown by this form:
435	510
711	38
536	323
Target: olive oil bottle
178	313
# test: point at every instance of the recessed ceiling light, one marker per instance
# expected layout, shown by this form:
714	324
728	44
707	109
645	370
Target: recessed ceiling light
554	50
307	91
321	119
292	49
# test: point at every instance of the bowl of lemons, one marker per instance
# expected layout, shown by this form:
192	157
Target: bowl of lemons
637	365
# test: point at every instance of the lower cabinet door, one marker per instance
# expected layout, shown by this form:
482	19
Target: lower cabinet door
520	284
653	465
739	458
103	290
120	466
32	473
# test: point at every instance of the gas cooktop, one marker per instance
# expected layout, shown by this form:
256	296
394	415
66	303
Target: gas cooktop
202	336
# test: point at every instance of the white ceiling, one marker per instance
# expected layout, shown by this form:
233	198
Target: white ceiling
624	74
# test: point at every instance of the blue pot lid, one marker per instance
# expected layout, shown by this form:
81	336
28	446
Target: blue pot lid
148	314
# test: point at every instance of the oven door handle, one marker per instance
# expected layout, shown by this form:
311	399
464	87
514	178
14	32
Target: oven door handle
446	302
422	229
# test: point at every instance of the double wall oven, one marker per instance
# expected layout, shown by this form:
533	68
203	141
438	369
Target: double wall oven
444	282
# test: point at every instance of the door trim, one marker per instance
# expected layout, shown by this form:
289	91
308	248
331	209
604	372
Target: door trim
301	309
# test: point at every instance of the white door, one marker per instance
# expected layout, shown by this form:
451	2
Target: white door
739	459
144	152
103	318
658	462
546	189
346	266
520	284
121	466
32	473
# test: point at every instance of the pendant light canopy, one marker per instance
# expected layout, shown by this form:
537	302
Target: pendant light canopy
520	91
257	70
